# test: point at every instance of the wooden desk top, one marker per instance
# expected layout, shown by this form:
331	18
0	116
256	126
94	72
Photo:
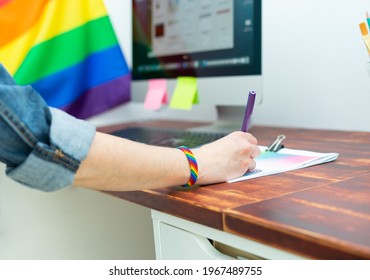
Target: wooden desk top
321	212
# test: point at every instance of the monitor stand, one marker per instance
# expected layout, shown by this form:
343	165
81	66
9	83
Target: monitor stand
229	118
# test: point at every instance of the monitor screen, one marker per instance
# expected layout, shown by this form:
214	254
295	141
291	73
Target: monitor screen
217	41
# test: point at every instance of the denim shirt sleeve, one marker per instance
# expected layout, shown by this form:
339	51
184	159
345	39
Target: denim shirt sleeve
53	167
42	147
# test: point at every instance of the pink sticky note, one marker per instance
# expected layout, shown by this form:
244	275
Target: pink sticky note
157	94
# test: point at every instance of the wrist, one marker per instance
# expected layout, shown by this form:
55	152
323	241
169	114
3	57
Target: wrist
193	166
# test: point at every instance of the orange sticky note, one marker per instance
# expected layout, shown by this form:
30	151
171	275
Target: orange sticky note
157	94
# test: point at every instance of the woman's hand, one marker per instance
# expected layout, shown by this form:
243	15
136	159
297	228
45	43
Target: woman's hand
226	158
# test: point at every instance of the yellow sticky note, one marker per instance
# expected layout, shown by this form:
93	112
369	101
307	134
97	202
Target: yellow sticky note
185	94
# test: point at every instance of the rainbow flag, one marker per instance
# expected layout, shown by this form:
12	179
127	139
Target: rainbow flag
67	50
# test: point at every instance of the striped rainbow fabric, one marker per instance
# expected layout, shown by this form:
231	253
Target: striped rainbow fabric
67	50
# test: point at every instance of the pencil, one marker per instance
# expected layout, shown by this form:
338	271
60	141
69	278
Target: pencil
363	29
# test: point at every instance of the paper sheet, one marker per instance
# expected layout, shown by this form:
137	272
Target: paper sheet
285	160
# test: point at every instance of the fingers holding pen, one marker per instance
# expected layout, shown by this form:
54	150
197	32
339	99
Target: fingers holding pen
251	144
250	149
254	149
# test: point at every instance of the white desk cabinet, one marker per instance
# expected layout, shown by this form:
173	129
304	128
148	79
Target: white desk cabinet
176	238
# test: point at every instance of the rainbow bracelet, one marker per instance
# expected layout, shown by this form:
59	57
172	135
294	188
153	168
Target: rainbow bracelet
192	164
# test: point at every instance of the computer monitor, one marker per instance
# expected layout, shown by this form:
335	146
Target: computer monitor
217	41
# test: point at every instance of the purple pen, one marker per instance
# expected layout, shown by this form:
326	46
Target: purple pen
248	111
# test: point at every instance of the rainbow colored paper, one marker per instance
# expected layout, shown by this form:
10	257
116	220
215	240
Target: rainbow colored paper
67	50
269	163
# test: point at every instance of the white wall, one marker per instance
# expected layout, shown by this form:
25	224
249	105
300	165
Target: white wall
120	14
316	67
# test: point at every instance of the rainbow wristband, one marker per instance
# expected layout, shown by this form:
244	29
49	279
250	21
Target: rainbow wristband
192	164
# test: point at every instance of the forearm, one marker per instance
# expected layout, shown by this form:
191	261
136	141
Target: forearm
119	164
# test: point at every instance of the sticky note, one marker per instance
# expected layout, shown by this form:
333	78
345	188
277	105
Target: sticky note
157	94
185	94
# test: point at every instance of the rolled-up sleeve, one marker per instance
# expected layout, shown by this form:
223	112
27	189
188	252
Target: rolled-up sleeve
50	167
42	147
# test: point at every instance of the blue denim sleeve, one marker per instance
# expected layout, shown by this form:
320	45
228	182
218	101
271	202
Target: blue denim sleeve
42	147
